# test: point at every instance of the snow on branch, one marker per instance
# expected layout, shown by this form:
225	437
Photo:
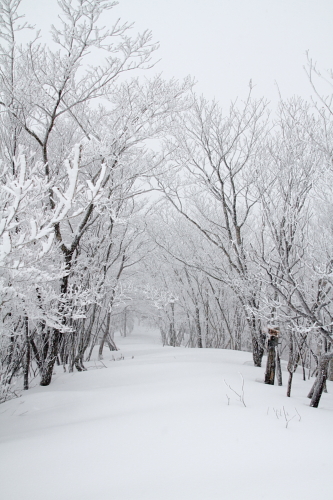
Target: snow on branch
26	218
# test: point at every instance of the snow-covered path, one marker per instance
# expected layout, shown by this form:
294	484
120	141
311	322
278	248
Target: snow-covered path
156	425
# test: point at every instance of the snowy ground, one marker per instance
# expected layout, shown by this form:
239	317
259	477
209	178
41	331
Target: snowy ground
157	426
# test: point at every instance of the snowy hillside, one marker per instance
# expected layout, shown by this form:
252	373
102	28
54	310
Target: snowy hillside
157	425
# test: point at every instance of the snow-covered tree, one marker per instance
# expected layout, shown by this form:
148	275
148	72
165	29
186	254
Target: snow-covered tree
212	160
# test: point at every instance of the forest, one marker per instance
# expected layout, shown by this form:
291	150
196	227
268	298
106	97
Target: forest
126	198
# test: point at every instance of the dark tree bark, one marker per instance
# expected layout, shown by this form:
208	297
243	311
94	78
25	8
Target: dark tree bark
278	368
257	336
78	361
36	353
257	351
290	381
26	365
110	342
106	332
56	336
330	371
271	355
51	359
312	390
198	325
292	362
105	335
11	349
321	379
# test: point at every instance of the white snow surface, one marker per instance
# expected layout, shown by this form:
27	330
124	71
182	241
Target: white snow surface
157	426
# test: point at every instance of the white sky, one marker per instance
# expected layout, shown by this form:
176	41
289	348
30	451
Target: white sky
225	43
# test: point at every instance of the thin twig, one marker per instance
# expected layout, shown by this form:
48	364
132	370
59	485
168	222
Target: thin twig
285	416
300	418
240	396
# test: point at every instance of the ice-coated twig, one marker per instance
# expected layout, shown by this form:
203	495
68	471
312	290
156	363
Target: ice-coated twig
299	416
242	399
286	417
240	396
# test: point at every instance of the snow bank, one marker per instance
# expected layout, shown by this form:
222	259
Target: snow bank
157	426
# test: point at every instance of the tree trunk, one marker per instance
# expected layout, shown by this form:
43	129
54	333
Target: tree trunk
11	349
270	367
292	361
27	355
111	344
125	321
312	389
321	379
45	345
258	339
257	351
198	325
290	380
51	359
278	368
330	371
105	334
78	361
36	353
54	343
